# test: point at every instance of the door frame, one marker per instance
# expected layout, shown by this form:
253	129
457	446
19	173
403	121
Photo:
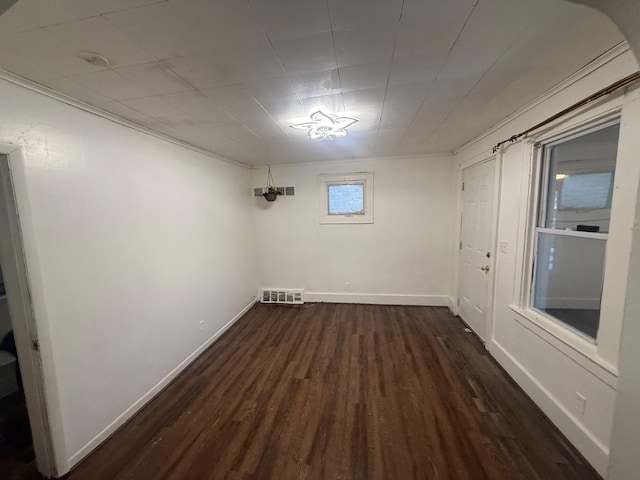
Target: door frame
495	210
21	311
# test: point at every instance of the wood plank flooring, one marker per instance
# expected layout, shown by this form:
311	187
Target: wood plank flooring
337	391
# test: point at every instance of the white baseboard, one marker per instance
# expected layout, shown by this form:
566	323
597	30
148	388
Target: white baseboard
377	298
147	397
590	447
452	305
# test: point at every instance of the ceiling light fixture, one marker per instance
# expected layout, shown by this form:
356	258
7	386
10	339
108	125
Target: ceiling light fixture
326	126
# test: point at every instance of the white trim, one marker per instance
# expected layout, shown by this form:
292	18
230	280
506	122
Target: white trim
378	298
573	233
357	178
147	397
568	342
587	444
569	302
452	305
588	69
73	102
355	160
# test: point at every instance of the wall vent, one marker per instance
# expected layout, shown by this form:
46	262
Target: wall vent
286	191
275	295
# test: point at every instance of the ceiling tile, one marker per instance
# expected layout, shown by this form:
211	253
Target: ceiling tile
109	6
189	102
365	44
98	35
284	110
219	14
112	85
229	95
348	13
315	84
43	48
249	115
431	28
25	68
306	54
417	68
368	119
51	12
458	66
74	90
123	111
188	28
270	90
228	68
214	116
155	77
159	126
270	132
283	19
152	107
326	103
189	125
16	20
407	94
364	99
479	46
237	133
368	75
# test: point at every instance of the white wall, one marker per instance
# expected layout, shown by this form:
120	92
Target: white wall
139	251
548	361
402	258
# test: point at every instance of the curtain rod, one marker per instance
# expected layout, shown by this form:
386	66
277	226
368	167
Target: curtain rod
599	94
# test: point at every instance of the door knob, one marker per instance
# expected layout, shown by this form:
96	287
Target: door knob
485	269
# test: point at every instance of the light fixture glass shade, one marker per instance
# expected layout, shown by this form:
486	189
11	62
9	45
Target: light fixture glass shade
326	126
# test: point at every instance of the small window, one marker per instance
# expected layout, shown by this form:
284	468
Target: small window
346	198
576	187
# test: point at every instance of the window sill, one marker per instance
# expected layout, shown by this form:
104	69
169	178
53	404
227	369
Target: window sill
580	349
346	220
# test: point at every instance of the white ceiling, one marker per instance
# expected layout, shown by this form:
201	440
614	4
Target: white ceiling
230	76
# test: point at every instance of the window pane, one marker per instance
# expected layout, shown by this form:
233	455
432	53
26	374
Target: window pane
581	174
346	199
568	279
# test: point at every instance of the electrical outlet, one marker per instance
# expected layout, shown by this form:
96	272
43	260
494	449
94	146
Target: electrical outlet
581	403
504	247
347	286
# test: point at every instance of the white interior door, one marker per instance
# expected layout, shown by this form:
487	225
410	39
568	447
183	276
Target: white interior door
476	255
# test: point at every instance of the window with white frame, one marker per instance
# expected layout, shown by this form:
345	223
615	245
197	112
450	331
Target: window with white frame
346	198
574	209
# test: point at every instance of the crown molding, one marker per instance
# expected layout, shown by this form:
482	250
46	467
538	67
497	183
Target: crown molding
356	159
610	55
74	102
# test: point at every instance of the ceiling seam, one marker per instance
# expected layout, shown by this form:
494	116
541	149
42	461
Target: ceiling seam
386	87
444	61
484	74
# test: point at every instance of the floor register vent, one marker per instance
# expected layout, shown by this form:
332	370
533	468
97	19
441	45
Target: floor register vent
272	295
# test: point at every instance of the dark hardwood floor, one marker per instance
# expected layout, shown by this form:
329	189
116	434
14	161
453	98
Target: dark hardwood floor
17	458
340	392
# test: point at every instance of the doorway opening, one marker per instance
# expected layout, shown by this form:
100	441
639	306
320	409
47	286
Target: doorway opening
17	456
24	423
